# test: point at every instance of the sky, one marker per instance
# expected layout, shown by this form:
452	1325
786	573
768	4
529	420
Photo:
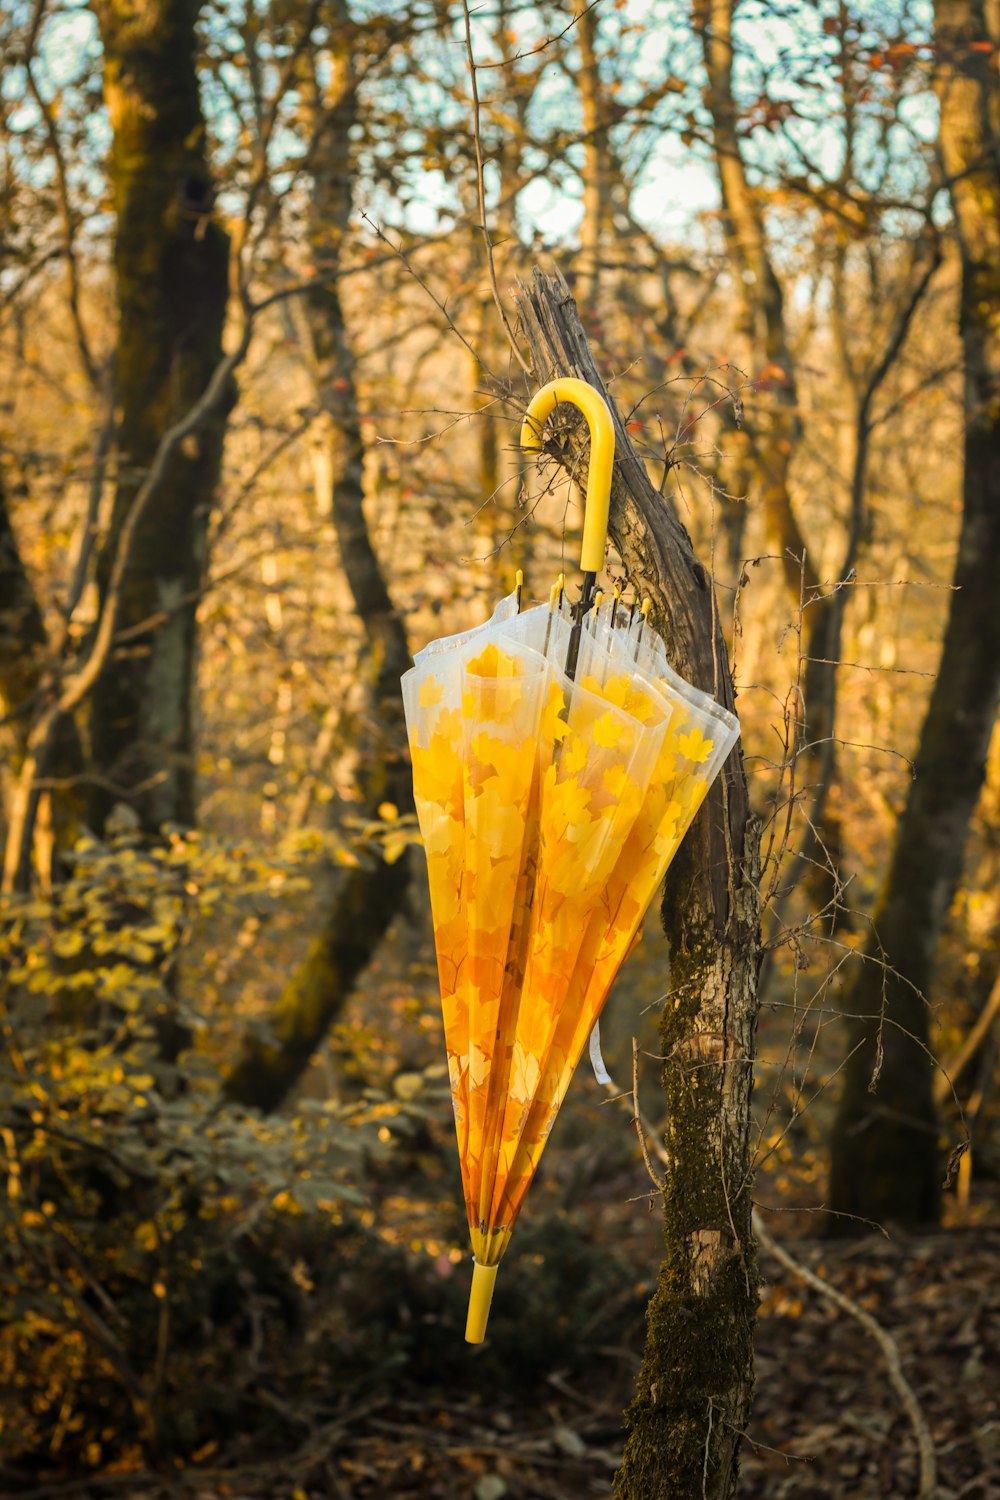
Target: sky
677	187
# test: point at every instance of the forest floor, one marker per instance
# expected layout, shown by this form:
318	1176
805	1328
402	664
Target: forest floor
826	1422
536	1412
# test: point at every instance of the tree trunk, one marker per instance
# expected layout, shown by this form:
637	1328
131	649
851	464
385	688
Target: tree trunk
25	664
366	898
775	426
595	167
885	1162
775	429
23	637
694	1391
171	264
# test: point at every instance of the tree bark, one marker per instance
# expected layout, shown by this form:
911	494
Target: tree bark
775	427
369	897
693	1396
171	265
26	670
885	1158
595	166
23	637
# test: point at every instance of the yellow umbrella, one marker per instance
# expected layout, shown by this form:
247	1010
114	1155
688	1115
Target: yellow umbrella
557	764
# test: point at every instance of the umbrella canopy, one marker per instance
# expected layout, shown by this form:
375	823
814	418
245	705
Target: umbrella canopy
557	764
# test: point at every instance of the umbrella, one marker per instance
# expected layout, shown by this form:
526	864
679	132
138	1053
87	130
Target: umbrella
557	764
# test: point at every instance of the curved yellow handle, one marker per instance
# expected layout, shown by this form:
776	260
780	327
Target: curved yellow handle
602	457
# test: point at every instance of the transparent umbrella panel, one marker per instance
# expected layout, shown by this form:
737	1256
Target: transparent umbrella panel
550	809
557	763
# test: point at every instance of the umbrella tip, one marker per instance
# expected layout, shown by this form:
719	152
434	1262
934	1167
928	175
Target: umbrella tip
480	1297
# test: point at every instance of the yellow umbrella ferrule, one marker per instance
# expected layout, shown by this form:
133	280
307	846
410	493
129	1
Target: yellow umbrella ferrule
602	457
480	1297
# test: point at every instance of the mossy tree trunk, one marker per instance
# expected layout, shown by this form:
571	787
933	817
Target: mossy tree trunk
366	899
886	1163
171	268
693	1396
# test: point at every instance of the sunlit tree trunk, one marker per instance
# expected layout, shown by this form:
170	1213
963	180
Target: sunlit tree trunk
595	165
500	544
775	428
486	428
171	270
886	1162
366	899
774	422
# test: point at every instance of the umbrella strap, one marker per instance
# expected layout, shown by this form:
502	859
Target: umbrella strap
576	633
596	1060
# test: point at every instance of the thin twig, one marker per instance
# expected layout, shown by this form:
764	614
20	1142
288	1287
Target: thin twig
637	1119
542	46
401	253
